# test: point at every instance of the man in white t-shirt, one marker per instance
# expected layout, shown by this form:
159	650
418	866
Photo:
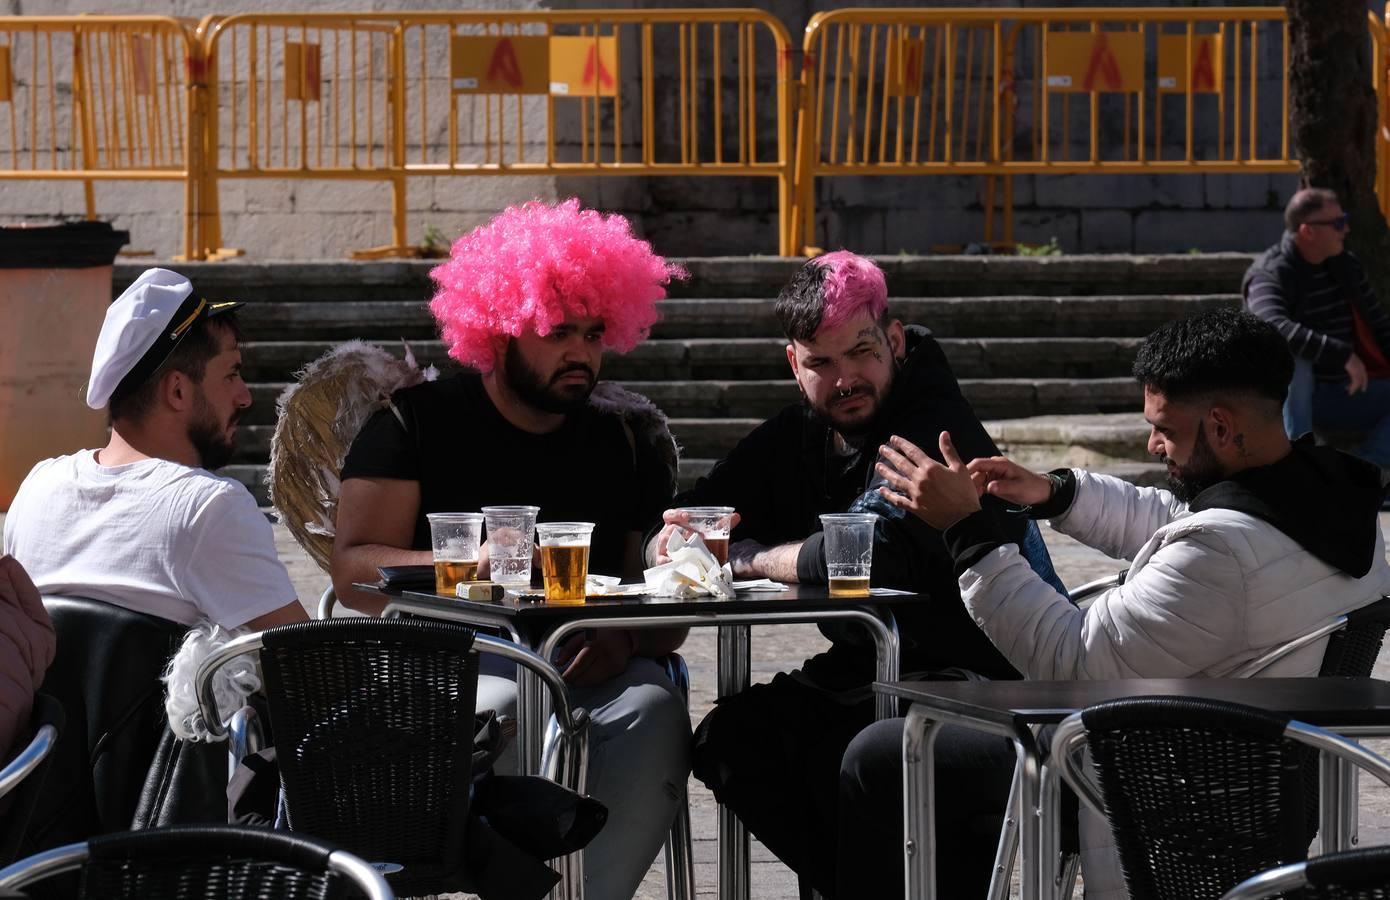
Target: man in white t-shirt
143	523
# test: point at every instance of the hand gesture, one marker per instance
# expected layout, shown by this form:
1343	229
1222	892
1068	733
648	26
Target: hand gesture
939	495
675	520
1007	480
1356	373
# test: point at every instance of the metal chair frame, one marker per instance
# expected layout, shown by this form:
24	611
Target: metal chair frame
28	759
1271	883
679	847
1070	863
1350	874
566	751
72	856
1070	739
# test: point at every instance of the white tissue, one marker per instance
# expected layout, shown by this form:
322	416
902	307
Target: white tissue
692	572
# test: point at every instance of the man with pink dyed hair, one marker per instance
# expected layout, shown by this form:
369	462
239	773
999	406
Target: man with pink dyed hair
773	753
528	303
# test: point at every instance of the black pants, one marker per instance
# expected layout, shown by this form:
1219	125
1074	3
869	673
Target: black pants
776	754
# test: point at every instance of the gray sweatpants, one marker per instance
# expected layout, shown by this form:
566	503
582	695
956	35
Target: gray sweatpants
639	760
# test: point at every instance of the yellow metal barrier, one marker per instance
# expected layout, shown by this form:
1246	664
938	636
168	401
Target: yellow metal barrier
1044	91
93	98
388	96
1380	79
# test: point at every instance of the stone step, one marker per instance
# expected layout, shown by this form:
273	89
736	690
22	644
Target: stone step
709	437
991	397
1011	316
744	276
1002	316
765	358
1085	441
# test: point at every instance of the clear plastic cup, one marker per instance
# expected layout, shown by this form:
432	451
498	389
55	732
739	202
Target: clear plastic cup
456	538
712	524
511	532
849	552
565	560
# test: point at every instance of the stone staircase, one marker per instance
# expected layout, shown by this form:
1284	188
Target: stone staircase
1042	346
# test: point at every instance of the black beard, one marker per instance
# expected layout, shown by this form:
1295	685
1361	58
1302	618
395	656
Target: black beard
1201	472
533	389
214	451
851	430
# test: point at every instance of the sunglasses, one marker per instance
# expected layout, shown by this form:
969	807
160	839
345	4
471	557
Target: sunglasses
1339	223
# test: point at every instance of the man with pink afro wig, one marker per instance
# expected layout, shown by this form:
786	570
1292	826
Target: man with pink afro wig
528	303
536	265
774	753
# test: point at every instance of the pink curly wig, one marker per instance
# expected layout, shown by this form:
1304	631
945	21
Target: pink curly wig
535	264
852	284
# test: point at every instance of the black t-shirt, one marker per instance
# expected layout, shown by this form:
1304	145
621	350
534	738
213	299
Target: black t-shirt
466	455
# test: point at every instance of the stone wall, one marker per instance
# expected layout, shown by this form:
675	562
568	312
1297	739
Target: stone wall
694	216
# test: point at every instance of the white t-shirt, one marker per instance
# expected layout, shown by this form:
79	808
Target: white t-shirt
154	536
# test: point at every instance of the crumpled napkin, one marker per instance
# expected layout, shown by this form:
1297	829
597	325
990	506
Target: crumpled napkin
692	572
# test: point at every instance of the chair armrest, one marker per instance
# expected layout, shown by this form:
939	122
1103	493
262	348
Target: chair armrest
41	865
327	600
202	682
28	759
1084	595
1338	746
1067	743
1260	663
1270	883
571	719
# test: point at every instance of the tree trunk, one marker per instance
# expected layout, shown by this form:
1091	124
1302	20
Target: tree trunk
1333	111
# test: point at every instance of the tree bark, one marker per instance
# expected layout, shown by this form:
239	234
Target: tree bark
1333	110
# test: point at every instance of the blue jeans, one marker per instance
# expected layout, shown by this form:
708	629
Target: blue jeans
1326	404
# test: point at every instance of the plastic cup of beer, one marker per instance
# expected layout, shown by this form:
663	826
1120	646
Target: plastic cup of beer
511	532
849	552
456	537
712	524
564	560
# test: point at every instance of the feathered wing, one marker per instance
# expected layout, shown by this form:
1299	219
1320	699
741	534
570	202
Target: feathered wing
318	417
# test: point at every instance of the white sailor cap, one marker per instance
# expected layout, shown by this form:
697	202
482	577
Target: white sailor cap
142	327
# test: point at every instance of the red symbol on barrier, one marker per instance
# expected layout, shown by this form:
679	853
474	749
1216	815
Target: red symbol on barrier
504	65
1203	72
1103	64
595	62
912	64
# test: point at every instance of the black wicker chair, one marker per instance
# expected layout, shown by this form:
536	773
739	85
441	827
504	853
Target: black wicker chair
1353	644
373	722
212	862
1352	875
22	778
1200	794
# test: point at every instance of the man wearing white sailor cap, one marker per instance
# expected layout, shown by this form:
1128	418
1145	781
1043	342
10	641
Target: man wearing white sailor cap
143	522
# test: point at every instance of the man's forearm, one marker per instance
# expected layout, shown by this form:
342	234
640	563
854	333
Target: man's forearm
749	558
359	564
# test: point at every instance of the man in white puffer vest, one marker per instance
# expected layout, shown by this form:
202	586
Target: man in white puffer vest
1257	541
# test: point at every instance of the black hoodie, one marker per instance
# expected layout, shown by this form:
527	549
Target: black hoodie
1326	500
